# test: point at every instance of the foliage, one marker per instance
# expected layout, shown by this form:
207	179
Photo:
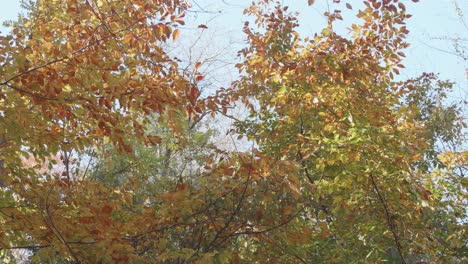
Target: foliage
105	160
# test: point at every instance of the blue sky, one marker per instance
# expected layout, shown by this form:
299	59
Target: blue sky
431	19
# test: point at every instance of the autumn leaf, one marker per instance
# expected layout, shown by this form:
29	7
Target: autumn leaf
175	34
199	78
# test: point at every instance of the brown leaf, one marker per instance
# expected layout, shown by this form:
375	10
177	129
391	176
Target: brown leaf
193	94
107	209
154	140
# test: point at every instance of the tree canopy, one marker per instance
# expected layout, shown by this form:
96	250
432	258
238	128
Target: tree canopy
108	154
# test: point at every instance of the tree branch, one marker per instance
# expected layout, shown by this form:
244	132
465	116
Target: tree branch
389	219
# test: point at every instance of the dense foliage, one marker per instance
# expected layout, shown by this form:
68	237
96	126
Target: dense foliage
107	153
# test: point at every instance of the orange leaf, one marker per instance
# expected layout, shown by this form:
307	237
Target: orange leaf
99	132
175	34
127	38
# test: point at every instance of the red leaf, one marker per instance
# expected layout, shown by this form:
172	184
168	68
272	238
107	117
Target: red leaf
107	209
199	78
202	26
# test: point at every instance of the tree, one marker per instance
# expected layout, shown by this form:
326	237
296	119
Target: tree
331	105
76	74
343	164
